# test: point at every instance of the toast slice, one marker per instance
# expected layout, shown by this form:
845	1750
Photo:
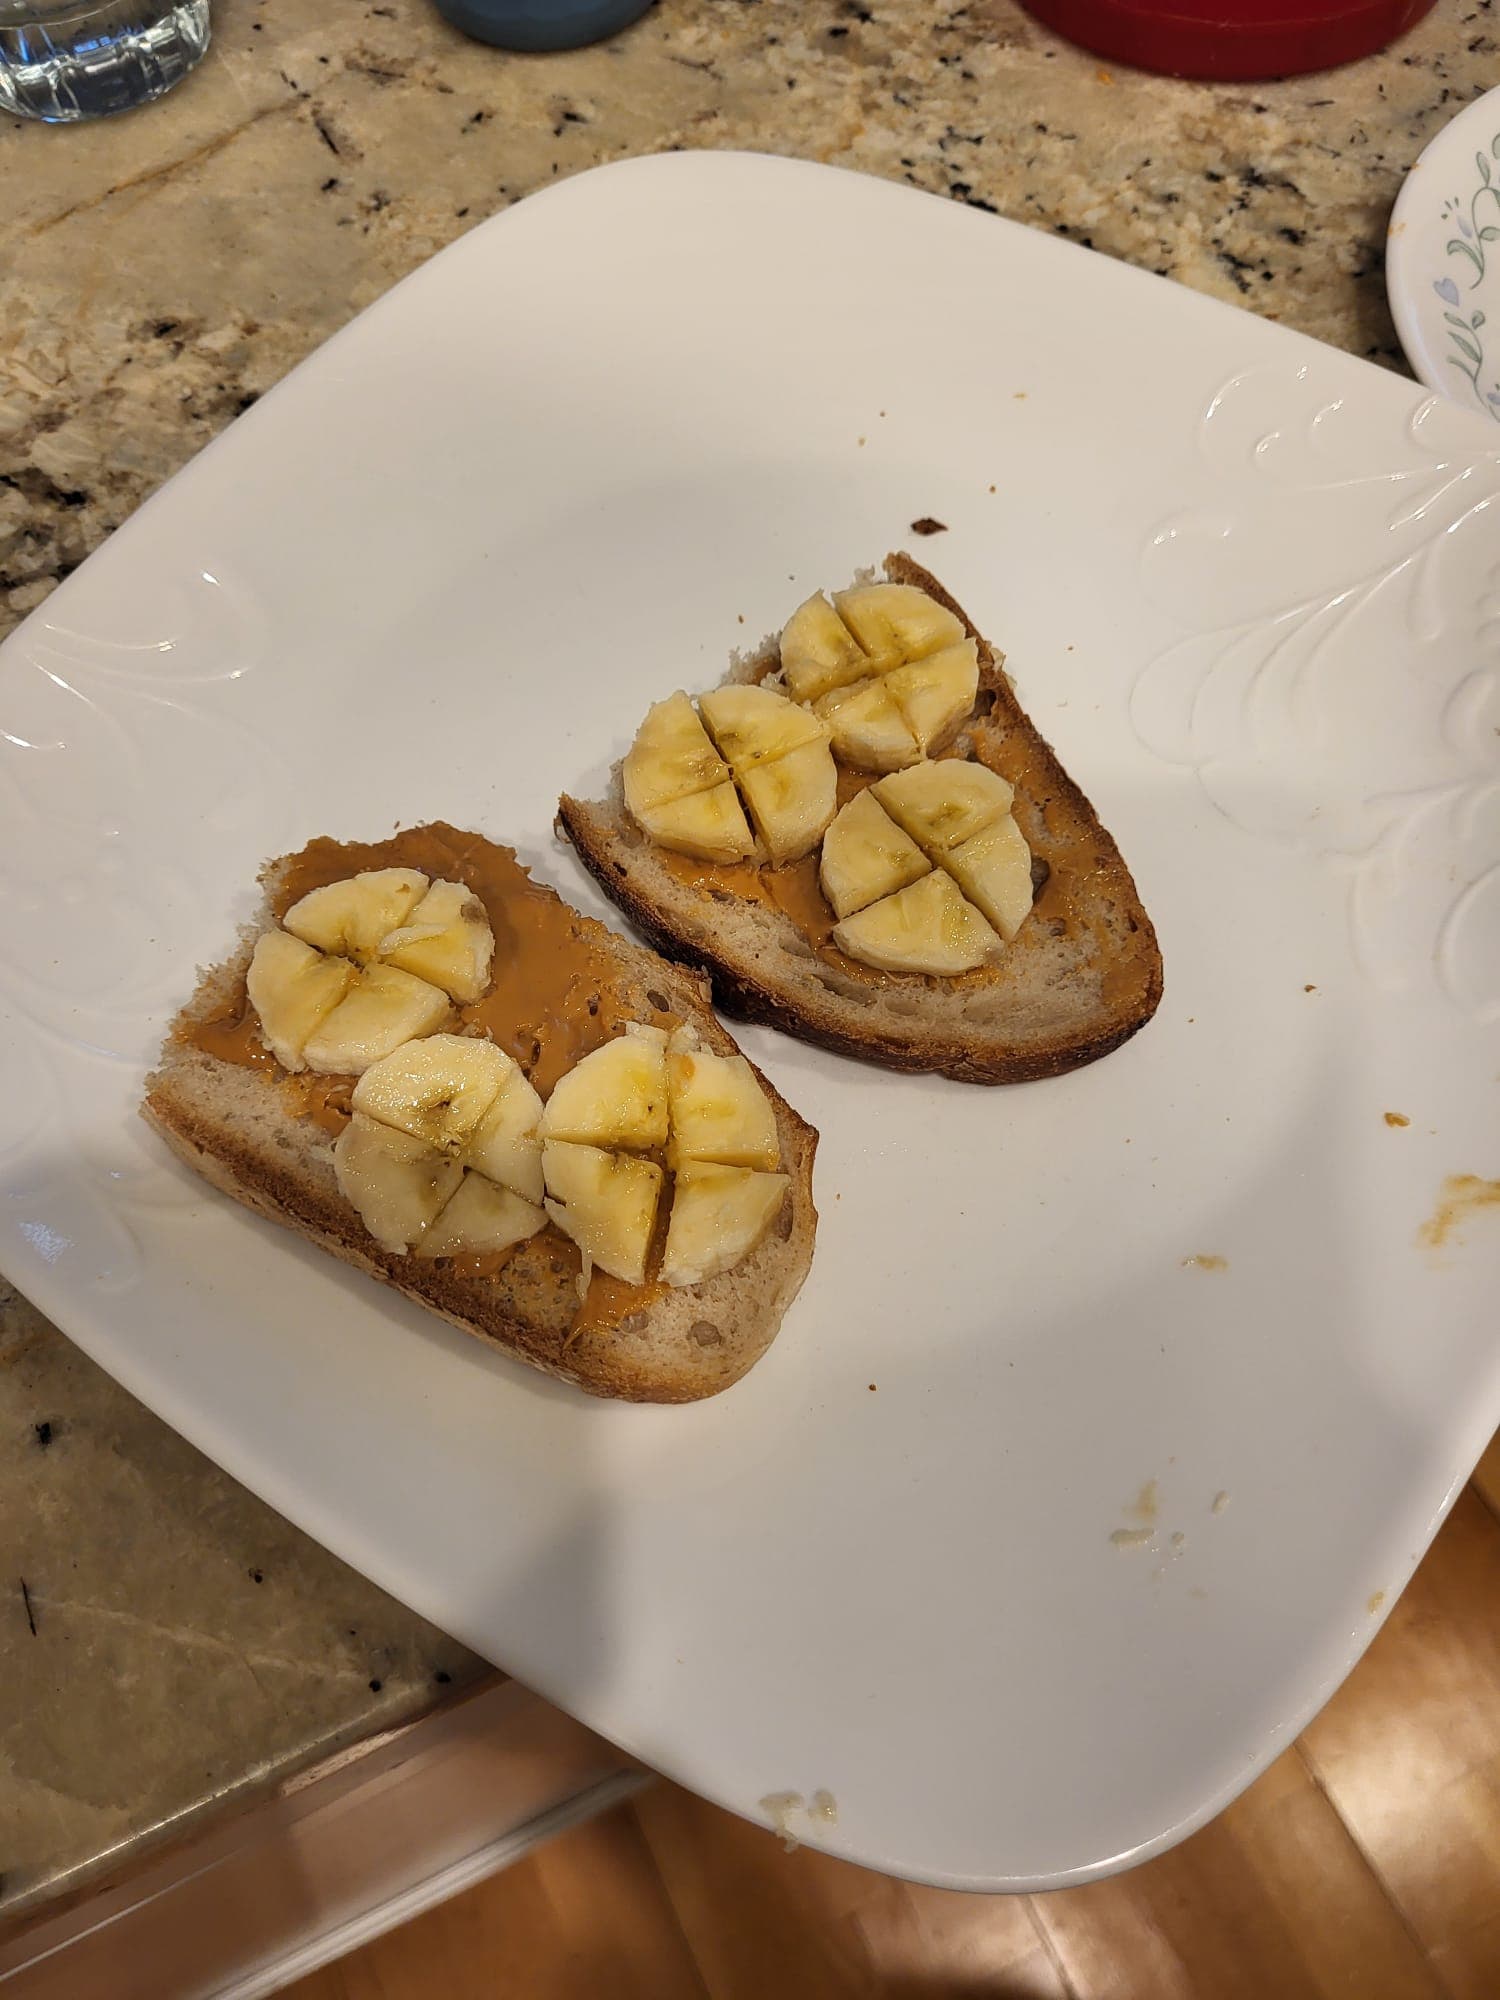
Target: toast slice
562	984
1082	976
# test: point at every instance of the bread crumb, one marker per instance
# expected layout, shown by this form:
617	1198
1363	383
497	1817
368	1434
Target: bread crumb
927	524
1220	1502
1374	1601
1131	1538
1309	989
1396	1118
1017	396
1205	1260
872	1388
779	1806
825	1807
1146	1504
992	489
861	440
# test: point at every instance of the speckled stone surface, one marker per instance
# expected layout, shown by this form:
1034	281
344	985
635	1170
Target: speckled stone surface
177	1645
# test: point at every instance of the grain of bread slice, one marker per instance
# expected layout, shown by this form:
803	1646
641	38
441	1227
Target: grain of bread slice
1082	976
243	1129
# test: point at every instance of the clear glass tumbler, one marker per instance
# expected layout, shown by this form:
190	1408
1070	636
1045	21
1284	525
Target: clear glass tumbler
61	60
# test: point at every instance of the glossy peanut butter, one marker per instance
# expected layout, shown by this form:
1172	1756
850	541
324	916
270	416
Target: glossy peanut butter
553	997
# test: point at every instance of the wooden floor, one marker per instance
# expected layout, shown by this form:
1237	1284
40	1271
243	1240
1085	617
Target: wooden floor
1365	1863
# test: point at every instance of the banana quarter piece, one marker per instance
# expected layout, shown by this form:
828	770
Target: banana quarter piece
383	1008
606	1202
867	856
399	1184
718	1216
928	927
293	989
447	941
617	1096
945	803
719	1112
993	868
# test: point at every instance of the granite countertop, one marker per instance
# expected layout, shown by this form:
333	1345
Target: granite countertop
174	1645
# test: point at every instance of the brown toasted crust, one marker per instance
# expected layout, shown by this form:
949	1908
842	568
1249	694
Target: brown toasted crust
235	1126
762	969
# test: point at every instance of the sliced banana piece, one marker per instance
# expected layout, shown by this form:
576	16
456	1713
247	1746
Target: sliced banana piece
993	869
506	1146
793	799
397	1183
447	940
709	826
351	917
437	1089
936	693
719	1112
868	728
670	758
755	725
383	1008
293	989
617	1096
894	622
606	1202
927	927
944	803
818	651
481	1217
866	856
719	1214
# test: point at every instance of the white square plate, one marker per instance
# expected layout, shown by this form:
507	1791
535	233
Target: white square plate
1248	587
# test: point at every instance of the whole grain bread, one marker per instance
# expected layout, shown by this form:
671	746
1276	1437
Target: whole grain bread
241	1127
1082	976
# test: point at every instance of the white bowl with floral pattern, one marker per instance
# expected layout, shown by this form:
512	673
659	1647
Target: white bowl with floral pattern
1442	265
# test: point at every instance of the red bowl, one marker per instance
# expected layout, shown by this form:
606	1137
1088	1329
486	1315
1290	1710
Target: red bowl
1231	41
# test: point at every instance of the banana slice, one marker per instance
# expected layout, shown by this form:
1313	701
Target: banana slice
793	799
869	730
719	1112
709	826
617	1096
398	1184
925	928
818	651
350	918
993	869
383	1008
866	856
506	1146
719	1214
944	803
293	989
895	622
481	1217
755	725
606	1202
447	941
670	758
936	693
438	1089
